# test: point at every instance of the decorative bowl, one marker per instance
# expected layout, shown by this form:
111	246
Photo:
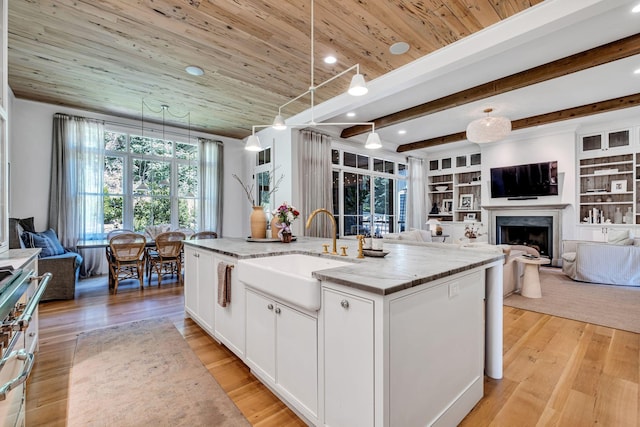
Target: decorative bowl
441	188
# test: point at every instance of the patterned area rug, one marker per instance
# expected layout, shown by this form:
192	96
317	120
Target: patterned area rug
606	305
144	374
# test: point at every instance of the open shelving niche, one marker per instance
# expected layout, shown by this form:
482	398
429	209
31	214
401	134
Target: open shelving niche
599	199
463	179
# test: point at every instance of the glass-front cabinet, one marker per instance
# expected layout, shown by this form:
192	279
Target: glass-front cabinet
597	143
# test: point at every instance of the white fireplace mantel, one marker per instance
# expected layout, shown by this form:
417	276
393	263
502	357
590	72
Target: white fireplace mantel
552	210
558	206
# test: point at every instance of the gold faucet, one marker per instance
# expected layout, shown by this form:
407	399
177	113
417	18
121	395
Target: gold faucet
333	222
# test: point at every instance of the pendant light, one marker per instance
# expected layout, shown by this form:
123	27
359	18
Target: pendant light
164	182
357	87
142	187
488	129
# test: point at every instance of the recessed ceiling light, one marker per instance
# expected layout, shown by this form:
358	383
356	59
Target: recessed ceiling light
330	60
194	70
402	132
351	114
636	9
399	48
637	71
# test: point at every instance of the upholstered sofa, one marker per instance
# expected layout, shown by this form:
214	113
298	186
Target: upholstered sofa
64	267
612	263
512	271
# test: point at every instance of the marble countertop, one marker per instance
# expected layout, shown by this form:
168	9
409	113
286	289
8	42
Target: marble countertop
404	267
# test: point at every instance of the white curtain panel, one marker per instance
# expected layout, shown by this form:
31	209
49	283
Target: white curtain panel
317	180
416	193
76	203
211	173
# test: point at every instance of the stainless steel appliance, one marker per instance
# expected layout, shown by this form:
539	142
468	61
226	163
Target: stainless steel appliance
20	292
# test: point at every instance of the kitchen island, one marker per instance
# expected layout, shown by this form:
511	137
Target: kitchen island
398	340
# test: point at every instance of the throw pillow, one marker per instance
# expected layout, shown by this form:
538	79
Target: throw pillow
42	241
424	234
412	236
51	234
16	227
620	237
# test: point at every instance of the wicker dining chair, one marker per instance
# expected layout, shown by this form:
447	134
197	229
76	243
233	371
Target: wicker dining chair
126	260
166	257
204	235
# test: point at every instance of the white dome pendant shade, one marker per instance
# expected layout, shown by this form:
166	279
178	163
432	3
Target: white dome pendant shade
373	141
278	122
358	86
253	143
488	129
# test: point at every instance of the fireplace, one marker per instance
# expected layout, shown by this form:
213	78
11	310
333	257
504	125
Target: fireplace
534	231
537	226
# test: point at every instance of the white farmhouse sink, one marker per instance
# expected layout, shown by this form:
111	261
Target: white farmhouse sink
287	277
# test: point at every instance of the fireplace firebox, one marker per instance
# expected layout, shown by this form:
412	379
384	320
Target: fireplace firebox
534	231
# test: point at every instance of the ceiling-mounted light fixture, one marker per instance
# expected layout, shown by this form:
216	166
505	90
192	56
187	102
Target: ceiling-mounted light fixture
165	107
253	142
142	187
194	70
357	87
489	128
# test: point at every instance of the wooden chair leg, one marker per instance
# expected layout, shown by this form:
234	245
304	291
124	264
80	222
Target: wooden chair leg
140	269
159	273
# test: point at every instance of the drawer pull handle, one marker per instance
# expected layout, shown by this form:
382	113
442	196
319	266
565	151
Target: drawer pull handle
270	306
344	303
278	310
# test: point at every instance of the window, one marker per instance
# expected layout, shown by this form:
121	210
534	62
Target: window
369	194
149	181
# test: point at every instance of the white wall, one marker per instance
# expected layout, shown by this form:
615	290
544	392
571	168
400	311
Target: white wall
557	145
31	125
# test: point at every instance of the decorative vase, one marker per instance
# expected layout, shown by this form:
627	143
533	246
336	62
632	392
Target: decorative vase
617	216
286	237
629	216
438	230
275	229
258	223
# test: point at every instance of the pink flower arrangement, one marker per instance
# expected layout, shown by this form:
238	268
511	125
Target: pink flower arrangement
286	214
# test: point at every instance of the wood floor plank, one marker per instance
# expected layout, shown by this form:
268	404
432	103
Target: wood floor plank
557	372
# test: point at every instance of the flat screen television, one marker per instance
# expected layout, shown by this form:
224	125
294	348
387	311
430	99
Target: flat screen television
525	181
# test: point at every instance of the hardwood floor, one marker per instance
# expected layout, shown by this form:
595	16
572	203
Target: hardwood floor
557	372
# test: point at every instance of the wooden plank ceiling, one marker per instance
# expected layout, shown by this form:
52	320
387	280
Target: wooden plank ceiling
106	56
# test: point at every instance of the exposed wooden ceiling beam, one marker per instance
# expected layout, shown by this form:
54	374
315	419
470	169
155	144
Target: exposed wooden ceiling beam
600	55
542	119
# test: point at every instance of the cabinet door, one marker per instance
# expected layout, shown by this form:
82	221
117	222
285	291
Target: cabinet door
592	233
191	280
207	291
229	320
261	336
348	359
297	355
592	143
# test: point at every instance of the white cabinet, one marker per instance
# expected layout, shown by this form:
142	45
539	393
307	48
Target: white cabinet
348	335
468	161
609	141
229	321
282	349
261	334
411	358
200	293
